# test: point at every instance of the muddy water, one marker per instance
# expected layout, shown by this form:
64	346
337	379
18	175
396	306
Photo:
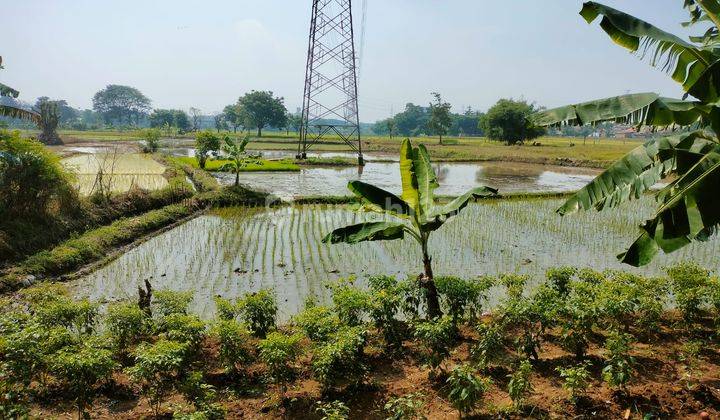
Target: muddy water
454	178
122	171
233	251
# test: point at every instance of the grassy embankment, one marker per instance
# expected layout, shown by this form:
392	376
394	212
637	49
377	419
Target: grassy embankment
550	150
261	165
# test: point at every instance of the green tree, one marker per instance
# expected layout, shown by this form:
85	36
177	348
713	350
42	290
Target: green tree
440	119
205	143
118	104
233	116
509	121
689	206
416	212
9	107
170	118
260	109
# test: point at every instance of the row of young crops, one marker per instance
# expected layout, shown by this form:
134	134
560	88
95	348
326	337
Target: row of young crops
236	250
52	344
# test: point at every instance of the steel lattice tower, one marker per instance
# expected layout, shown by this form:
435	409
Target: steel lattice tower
330	100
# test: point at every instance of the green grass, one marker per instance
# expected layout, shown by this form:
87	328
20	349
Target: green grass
264	165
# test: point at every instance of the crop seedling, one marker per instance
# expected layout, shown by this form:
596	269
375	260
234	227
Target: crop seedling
416	213
159	369
258	311
81	368
278	352
333	410
619	365
466	389
577	380
520	386
406	407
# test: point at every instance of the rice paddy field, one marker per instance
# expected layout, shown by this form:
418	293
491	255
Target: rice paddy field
235	250
122	171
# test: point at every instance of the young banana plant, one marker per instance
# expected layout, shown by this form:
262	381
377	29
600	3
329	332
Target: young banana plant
415	213
237	156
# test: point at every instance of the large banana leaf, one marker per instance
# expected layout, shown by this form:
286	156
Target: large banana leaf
378	200
408	177
16	112
426	179
440	214
639	108
635	173
368	231
683	61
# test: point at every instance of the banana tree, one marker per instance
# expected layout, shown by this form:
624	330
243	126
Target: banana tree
238	158
9	107
689	206
415	213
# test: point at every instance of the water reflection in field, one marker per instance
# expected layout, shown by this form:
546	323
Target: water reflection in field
121	171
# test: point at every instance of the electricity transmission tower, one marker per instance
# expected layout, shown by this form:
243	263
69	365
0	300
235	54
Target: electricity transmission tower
330	100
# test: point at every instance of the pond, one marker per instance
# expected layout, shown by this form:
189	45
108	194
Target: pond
122	171
232	251
454	178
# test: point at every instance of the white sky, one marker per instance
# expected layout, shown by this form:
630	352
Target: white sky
184	53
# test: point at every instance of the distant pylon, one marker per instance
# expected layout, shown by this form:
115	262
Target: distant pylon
330	100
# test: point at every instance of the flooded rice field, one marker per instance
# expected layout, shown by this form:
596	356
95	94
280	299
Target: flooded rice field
120	172
232	251
454	178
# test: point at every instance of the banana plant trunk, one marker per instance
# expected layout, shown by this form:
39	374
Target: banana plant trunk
237	177
427	282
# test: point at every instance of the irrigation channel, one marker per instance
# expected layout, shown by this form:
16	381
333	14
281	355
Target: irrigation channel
235	250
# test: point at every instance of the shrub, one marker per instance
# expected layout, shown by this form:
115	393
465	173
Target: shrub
437	338
386	299
689	282
43	294
341	358
158	369
350	303
233	338
520	386
81	368
514	284
576	380
168	302
151	137
226	311
188	329
560	277
201	395
460	296
258	311
317	322
412	296
466	388
333	410
127	324
278	352
407	407
490	345
579	315
78	316
619	365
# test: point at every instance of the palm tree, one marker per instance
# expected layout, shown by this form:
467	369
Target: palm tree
415	213
9	108
689	206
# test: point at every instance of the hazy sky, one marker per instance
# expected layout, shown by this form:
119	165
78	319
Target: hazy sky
184	53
